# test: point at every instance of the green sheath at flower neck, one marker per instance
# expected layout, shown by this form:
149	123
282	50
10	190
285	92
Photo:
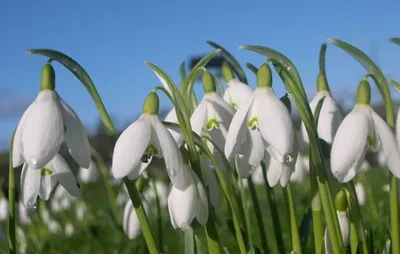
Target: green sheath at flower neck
264	76
364	92
341	201
185	155
227	72
48	79
321	83
151	104
208	82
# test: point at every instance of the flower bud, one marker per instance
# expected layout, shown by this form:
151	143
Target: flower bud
264	76
363	92
48	79
151	104
322	84
341	201
208	82
227	72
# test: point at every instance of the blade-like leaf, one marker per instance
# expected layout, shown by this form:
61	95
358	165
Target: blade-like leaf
182	70
395	40
322	54
251	67
232	61
83	76
304	228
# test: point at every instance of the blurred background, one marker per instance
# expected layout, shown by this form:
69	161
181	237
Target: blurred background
111	40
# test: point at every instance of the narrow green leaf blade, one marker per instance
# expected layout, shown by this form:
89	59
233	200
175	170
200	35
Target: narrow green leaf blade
322	54
395	40
80	73
251	67
232	61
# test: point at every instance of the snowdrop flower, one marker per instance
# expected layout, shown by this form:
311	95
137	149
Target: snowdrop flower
301	169
330	115
362	130
21	239
80	210
143	139
398	125
189	203
69	229
47	122
3	209
344	223
258	176
212	182
172	118
365	166
89	175
123	195
23	214
45	214
36	182
162	193
213	115
130	221
236	92
361	195
53	227
264	120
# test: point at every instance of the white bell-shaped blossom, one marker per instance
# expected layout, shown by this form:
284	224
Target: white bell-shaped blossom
36	182
264	120
143	139
237	93
257	176
172	118
398	125
130	221
330	118
344	224
23	214
46	123
189	203
361	193
80	210
69	229
54	227
3	209
301	169
90	174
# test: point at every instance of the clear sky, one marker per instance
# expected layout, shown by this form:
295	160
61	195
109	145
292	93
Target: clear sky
112	39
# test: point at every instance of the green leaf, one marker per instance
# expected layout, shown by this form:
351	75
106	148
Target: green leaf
395	40
200	248
322	54
304	228
251	67
232	61
83	76
182	70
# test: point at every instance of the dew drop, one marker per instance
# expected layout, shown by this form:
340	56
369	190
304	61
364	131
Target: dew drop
31	206
172	173
33	161
288	158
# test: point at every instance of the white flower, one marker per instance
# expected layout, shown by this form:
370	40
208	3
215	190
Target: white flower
130	221
89	175
398	125
162	193
237	93
301	169
189	203
46	123
53	227
344	225
69	229
123	195
330	118
365	166
265	121
3	209
23	214
362	129
80	210
212	182
172	118
361	195
36	182
258	176
143	139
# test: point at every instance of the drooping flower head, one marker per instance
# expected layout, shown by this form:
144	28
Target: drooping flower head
265	121
362	130
47	122
143	139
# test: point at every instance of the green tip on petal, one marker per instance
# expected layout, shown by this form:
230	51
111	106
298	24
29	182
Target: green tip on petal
46	171
264	76
341	201
322	85
185	155
227	72
151	104
364	92
208	82
48	80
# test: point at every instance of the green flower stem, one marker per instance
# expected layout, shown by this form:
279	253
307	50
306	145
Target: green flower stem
244	206
318	225
274	213
257	210
353	238
107	185
296	245
11	202
159	215
144	223
394	214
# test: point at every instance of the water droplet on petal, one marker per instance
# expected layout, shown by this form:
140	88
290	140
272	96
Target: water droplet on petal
172	173
287	158
31	206
33	161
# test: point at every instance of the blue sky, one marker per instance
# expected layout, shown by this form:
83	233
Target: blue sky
112	39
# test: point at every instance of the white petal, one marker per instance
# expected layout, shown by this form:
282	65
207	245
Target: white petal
253	147
170	152
3	209
138	170
237	130
130	221
237	93
350	142
300	170
43	130
64	176
172	118
75	136
47	185
361	195
198	118
18	158
330	119
89	175
130	147
182	204
212	182
397	125
30	185
244	165
202	203
389	145
257	176
344	225
274	121
274	170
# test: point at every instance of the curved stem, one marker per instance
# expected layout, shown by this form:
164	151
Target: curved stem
159	216
296	245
